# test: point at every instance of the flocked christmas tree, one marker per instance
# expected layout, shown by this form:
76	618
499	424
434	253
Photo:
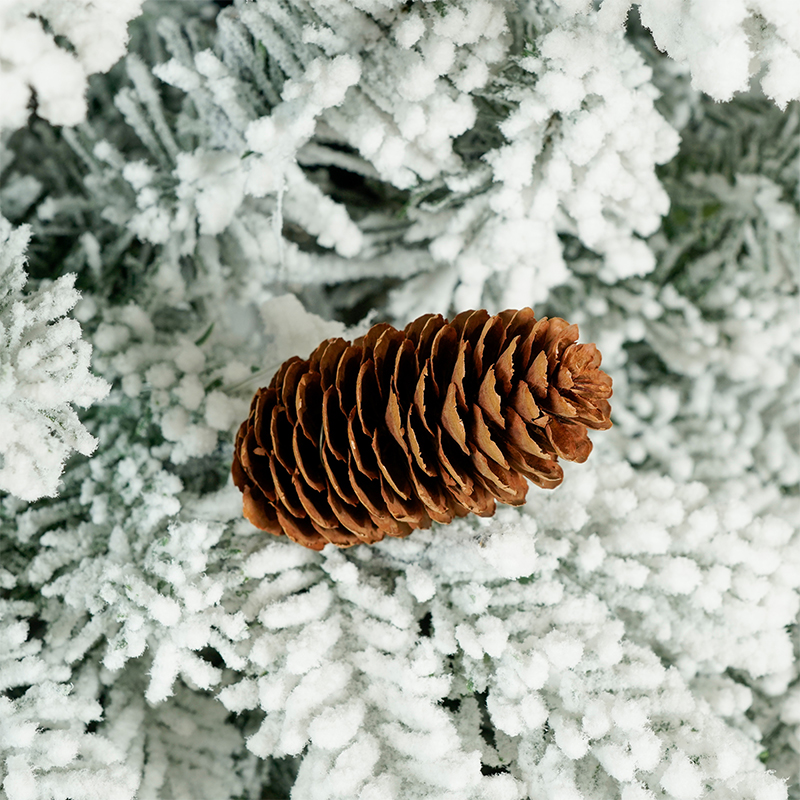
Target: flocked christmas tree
253	178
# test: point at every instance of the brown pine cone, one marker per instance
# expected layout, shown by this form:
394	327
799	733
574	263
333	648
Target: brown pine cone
402	428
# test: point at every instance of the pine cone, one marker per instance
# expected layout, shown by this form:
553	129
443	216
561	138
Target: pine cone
402	428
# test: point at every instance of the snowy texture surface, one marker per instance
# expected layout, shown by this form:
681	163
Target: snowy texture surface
725	44
561	661
384	665
719	320
253	180
33	65
44	369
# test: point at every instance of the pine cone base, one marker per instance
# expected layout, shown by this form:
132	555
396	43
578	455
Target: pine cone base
400	429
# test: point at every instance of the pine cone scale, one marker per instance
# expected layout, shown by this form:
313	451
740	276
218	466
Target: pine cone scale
458	466
523	403
489	399
401	428
334	425
329	361
536	376
416	439
490	344
442	358
241	479
385	358
291	380
520	436
284	490
264	403
282	433
482	436
569	441
392	418
259	471
309	405
368	491
504	369
543	472
312	502
259	512
308	464
451	420
367	397
252	463
426	408
460	373
360	448
433	497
